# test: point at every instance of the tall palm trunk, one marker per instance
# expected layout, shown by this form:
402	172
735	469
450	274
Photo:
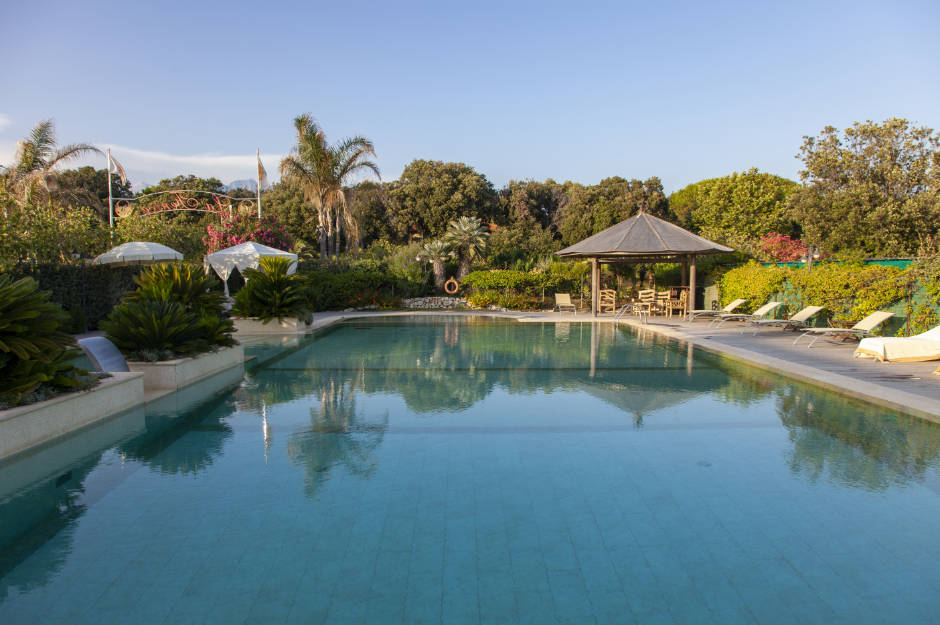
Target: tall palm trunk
339	229
464	267
437	267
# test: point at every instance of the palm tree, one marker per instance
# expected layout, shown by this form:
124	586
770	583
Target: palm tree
322	170
467	238
436	253
36	158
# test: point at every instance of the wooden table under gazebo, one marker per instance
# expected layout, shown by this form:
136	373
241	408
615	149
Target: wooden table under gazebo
642	239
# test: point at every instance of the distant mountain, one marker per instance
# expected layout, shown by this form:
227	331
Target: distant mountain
251	185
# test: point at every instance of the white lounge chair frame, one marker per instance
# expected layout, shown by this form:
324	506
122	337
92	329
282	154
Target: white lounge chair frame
760	313
563	303
729	309
796	321
859	331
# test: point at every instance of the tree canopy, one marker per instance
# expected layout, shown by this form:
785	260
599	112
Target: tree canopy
431	194
736	210
873	189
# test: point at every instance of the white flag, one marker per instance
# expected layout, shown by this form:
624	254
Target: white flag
262	175
115	168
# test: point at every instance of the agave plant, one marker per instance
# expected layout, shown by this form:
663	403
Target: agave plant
147	329
33	349
270	293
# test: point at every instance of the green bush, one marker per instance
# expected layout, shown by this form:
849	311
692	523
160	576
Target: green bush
187	285
92	289
174	312
849	291
150	330
270	293
512	301
337	286
34	351
752	282
529	283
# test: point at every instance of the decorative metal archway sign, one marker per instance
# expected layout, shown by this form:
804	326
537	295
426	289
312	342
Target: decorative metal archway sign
186	200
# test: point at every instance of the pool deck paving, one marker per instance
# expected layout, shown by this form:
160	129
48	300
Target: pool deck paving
912	387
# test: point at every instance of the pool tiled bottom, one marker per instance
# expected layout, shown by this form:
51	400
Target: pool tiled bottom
496	528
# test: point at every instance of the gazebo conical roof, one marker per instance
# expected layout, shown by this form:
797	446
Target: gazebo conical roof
642	237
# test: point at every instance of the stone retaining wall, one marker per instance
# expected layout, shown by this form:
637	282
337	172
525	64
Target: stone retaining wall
25	426
434	303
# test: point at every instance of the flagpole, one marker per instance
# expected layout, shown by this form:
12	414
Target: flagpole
258	156
110	200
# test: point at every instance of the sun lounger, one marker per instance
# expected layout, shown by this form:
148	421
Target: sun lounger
760	313
925	346
729	309
859	331
563	303
798	320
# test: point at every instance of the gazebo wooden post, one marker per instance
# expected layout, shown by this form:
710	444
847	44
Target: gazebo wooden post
642	239
595	285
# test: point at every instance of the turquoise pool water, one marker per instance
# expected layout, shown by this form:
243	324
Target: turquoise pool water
470	470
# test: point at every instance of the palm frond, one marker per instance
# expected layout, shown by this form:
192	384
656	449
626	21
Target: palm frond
70	151
42	141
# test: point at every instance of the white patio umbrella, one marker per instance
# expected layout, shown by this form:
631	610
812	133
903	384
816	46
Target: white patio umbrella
138	253
243	256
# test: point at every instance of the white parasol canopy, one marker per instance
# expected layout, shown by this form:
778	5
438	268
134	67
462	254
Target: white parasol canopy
138	253
244	256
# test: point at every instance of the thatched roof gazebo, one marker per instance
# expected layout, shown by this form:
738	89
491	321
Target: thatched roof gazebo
642	239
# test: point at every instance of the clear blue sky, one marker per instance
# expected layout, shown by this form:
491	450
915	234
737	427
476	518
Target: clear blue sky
570	91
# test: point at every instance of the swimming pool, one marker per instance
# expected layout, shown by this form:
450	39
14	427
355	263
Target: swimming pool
475	470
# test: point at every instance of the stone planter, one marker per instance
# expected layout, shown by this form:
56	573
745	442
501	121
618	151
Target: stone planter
284	326
169	375
25	426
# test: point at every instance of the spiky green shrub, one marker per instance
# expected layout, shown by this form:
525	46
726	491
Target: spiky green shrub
270	293
34	351
187	285
147	329
173	313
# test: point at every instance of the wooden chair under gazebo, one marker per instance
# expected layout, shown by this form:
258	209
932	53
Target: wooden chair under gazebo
643	239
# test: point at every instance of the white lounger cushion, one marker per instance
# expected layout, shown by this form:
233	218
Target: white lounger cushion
917	348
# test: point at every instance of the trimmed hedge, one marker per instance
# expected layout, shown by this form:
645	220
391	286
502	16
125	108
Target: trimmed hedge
87	292
849	291
338	289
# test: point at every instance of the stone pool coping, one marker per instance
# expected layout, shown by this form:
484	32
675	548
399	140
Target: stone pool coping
25	427
769	350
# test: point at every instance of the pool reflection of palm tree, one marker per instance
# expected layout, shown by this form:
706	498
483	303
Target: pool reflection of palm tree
339	434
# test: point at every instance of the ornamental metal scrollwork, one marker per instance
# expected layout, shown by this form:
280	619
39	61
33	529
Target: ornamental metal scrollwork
218	203
123	208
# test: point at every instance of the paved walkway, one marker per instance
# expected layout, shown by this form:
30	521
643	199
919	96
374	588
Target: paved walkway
906	387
